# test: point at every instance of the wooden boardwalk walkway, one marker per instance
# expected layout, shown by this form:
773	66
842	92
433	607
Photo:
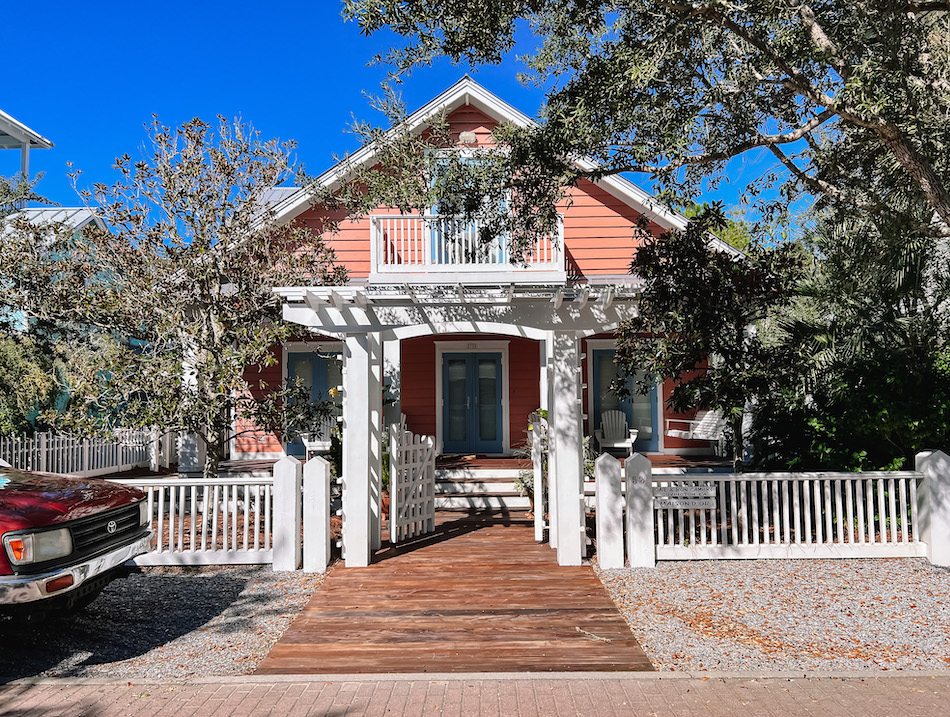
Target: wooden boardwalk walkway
478	596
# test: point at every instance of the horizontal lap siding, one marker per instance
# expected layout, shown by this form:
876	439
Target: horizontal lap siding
470	119
350	243
524	386
417	384
599	231
257	440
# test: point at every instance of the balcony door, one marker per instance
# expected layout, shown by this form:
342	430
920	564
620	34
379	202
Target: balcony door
472	403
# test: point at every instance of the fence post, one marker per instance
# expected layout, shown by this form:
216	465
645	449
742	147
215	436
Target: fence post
154	451
609	512
933	501
537	469
287	475
316	515
42	452
641	545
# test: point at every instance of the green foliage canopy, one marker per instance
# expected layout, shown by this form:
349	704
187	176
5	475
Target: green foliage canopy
677	89
698	310
177	294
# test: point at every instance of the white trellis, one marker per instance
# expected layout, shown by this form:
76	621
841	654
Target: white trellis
411	484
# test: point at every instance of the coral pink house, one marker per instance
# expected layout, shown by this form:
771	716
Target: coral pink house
465	344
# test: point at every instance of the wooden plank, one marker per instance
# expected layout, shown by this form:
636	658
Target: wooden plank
478	596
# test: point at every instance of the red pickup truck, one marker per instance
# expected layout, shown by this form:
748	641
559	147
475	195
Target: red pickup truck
62	539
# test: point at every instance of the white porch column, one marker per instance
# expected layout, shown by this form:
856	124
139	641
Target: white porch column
361	447
376	426
567	425
547	401
25	160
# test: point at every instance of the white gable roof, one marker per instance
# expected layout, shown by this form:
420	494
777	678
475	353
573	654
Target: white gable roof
468	92
15	134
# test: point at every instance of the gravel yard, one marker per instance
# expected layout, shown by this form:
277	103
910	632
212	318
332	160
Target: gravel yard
797	615
164	623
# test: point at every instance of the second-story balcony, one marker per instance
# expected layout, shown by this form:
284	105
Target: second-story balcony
411	248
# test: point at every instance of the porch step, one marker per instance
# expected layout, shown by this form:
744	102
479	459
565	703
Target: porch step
480	474
498	501
482	488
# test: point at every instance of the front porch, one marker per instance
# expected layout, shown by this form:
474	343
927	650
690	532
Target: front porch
468	366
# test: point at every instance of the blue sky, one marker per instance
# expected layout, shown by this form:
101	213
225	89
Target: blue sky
90	74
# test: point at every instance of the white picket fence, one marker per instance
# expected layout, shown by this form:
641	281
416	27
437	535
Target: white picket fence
127	448
786	515
283	518
224	521
769	515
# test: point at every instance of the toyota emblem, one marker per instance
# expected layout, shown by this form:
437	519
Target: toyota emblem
111	527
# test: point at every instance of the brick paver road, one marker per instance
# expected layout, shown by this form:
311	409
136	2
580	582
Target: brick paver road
549	695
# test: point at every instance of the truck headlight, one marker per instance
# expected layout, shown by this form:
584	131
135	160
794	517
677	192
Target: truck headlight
144	517
38	547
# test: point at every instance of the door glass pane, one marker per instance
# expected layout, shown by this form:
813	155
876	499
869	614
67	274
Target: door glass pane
456	398
642	410
487	399
303	370
607	372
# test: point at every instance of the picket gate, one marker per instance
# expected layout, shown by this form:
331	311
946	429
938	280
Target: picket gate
412	484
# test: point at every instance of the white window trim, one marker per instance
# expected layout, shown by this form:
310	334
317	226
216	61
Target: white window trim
469	346
594	345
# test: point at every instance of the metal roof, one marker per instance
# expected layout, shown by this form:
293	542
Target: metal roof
14	135
75	218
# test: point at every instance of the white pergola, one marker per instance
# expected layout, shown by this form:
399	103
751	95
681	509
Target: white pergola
372	320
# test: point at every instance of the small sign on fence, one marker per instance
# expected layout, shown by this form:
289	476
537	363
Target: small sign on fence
685	503
687	497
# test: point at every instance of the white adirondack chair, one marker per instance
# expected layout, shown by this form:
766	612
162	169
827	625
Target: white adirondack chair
614	433
707	426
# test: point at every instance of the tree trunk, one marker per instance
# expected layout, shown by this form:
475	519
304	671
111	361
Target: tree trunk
737	443
212	454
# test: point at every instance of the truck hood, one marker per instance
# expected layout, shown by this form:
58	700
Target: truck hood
30	500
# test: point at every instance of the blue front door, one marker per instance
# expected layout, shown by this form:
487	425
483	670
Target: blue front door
471	403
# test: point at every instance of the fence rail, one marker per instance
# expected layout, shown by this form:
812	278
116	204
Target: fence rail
205	522
127	448
769	515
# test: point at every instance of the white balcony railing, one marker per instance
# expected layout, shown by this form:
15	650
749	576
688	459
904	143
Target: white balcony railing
437	249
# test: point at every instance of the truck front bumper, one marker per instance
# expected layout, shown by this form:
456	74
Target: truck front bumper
18	589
